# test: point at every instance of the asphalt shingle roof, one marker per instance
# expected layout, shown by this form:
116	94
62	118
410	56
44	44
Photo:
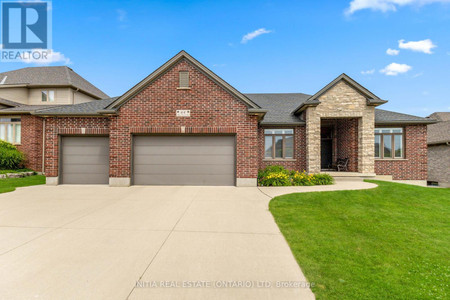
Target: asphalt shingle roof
50	76
440	116
10	103
88	108
25	109
279	106
279	109
386	116
439	133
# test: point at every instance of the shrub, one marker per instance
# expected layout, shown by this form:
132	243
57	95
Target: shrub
323	179
10	157
274	176
302	178
279	176
277	179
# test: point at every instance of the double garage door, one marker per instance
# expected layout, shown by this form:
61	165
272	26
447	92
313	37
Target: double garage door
183	160
157	160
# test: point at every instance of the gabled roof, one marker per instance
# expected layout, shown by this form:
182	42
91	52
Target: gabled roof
372	99
171	62
59	76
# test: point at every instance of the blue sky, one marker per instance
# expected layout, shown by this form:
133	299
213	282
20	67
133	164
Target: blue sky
301	46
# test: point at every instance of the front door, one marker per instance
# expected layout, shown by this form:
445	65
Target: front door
326	146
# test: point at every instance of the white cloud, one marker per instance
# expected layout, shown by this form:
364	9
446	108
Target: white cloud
368	72
251	35
448	53
417	75
47	57
424	46
121	15
219	65
392	51
386	5
394	69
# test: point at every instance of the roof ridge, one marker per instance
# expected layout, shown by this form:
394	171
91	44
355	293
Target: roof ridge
69	78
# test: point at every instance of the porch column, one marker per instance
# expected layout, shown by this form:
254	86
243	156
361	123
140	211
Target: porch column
366	141
312	140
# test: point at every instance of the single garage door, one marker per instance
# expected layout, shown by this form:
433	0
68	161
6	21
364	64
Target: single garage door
85	160
184	160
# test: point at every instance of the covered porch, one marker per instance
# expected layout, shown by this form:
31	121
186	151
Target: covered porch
339	145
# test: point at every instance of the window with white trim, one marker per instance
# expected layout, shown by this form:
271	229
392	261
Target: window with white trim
48	95
279	143
389	143
10	129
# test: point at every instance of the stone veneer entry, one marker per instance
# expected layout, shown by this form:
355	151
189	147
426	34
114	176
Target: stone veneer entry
341	101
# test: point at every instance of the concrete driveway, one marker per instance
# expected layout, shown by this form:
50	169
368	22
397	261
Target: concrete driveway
97	242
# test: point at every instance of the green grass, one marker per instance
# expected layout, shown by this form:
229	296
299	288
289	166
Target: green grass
10	184
391	242
15	171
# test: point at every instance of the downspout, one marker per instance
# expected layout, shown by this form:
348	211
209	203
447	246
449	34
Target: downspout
43	147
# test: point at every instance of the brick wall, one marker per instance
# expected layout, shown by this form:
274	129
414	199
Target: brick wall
299	162
31	141
414	166
213	110
347	141
438	164
68	126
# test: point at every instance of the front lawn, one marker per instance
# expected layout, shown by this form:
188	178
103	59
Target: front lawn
10	184
391	242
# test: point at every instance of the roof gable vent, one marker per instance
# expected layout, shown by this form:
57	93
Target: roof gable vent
184	80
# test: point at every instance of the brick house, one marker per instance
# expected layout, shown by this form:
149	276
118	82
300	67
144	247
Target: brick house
183	124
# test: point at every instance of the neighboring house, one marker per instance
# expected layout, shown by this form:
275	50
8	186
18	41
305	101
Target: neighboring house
439	149
26	90
184	125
